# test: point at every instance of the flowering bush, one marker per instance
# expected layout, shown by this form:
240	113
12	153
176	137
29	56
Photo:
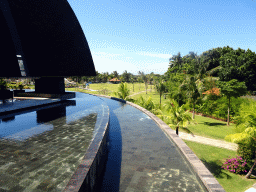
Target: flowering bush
236	165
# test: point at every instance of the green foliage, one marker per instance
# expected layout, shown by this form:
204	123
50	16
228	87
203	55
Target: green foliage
3	84
246	132
211	157
247	152
104	91
232	88
123	91
217	106
20	85
147	104
161	88
180	118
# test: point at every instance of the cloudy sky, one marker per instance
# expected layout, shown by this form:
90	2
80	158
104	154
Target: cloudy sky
141	35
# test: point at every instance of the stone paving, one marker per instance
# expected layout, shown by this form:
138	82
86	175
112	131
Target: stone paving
45	162
145	157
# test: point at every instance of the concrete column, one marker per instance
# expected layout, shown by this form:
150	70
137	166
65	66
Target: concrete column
54	85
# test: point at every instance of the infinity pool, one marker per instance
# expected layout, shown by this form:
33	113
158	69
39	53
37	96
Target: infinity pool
40	150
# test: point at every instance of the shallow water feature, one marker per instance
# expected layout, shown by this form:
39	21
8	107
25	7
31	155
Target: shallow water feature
141	157
40	150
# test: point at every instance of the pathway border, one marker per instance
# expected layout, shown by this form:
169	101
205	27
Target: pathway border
207	178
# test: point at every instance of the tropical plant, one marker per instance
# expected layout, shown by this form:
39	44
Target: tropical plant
189	85
236	165
161	88
132	80
232	88
20	85
3	84
123	91
145	79
147	104
179	116
246	130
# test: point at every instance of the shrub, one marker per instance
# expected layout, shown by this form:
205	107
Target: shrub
147	104
235	165
247	153
104	91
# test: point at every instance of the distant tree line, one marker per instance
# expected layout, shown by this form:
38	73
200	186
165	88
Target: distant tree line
224	63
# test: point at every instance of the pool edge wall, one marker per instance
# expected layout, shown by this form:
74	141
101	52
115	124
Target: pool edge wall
90	169
201	172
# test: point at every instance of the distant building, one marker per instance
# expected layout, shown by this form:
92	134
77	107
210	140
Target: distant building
114	80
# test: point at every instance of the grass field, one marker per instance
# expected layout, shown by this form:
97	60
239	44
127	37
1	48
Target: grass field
207	127
109	89
211	157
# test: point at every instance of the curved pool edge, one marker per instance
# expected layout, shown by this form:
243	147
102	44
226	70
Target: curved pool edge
202	173
90	168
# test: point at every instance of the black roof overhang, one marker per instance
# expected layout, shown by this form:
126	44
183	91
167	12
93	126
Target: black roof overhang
48	36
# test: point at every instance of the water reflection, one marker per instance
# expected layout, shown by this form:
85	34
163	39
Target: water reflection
40	149
22	127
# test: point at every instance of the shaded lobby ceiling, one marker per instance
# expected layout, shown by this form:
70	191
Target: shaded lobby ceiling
48	36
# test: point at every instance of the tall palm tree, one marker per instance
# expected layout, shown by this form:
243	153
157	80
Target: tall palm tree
176	60
161	88
192	91
132	80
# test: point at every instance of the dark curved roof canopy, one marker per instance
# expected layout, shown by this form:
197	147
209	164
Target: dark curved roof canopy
47	37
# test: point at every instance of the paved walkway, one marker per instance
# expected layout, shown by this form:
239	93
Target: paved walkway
209	141
139	93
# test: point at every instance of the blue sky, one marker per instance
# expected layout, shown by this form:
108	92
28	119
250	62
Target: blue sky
141	35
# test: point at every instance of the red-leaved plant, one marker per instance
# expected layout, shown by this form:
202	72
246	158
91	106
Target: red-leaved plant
235	165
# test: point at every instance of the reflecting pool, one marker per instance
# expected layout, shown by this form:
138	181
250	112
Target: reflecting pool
41	149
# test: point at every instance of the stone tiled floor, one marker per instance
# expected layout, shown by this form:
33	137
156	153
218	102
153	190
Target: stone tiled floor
45	162
147	159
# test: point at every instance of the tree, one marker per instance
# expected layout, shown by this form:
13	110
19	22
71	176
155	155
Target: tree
115	74
151	78
126	76
161	88
232	88
145	79
123	91
176	61
190	86
132	80
179	116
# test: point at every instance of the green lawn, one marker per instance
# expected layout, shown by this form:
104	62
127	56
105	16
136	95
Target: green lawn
212	128
211	157
205	126
109	89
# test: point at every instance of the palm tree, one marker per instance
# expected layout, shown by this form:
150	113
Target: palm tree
145	79
192	91
132	80
179	117
123	91
161	88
